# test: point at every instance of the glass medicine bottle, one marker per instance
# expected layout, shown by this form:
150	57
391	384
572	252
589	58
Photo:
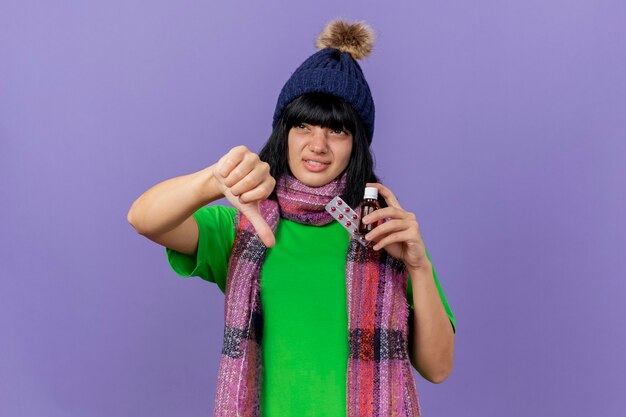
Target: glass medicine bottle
369	204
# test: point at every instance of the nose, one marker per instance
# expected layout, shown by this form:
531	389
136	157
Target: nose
319	140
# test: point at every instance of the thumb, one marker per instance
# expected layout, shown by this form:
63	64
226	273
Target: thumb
251	211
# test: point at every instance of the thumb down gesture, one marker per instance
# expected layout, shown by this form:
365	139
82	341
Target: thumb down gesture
245	181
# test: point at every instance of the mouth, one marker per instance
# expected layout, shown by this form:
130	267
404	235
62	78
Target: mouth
315	166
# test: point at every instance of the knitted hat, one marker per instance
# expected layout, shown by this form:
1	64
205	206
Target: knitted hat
334	70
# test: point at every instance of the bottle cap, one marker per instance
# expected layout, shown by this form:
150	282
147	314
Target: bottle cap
371	192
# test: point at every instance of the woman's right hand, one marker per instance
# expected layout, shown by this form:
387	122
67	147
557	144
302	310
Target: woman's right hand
245	181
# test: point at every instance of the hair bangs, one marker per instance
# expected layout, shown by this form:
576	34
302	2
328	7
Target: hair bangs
320	109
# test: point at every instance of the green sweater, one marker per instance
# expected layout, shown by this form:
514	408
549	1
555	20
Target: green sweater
305	318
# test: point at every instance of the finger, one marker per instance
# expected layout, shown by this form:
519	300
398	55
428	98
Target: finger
252	180
245	167
261	192
386	228
260	225
229	161
392	238
389	197
387	212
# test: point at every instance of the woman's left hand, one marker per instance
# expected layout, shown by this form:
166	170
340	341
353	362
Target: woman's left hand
399	235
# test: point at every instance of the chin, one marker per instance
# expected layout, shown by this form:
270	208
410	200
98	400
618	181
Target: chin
316	182
313	180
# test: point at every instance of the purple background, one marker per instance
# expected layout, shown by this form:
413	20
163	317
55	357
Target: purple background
502	125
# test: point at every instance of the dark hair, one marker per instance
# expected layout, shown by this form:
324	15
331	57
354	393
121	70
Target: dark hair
327	111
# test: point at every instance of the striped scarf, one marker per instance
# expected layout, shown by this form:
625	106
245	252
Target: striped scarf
379	376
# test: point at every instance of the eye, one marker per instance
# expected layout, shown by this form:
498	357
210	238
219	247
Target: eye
340	132
300	126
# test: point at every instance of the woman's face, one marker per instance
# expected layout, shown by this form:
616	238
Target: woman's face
317	155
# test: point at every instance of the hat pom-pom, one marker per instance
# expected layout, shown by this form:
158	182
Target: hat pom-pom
357	39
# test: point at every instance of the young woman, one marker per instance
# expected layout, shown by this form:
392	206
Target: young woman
316	324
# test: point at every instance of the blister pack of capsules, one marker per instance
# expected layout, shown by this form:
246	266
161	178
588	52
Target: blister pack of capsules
347	217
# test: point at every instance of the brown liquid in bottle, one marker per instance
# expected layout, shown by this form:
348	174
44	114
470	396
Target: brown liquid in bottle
369	204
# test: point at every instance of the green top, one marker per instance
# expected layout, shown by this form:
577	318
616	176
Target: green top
305	318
